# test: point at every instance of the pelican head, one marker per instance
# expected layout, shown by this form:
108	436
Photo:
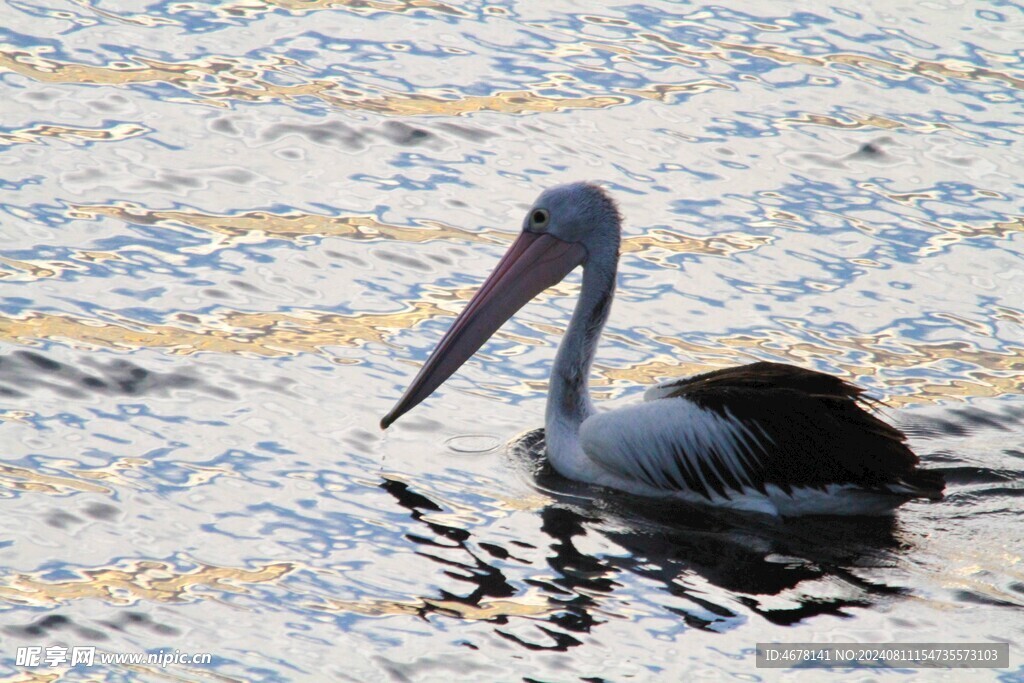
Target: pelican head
577	213
568	226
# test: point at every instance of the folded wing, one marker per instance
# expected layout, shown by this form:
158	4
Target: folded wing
725	433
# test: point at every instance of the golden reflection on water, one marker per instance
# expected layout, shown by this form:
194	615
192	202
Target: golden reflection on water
426	102
994	373
40	132
693	55
938	72
451	103
104	480
255	8
35	270
690	55
935	71
32	64
484	610
147	20
219	80
988	572
240	332
254	227
949	232
658	245
854	121
283	334
25	676
918	197
150	580
23	479
913	390
259	334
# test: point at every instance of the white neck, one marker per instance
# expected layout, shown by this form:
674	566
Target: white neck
569	401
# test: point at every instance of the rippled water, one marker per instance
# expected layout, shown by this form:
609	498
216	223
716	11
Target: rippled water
231	231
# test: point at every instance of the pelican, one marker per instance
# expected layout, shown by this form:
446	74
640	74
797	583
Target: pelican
764	437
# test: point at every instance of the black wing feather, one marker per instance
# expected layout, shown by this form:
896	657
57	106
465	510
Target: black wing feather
818	429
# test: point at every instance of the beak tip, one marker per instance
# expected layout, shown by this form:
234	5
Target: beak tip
389	419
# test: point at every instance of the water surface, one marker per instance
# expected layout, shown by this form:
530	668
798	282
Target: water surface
232	231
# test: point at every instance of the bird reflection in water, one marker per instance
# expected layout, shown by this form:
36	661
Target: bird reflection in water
721	568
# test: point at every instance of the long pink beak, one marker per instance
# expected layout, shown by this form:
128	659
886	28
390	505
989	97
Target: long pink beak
533	263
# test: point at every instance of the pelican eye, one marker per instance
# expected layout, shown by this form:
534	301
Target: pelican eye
539	218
